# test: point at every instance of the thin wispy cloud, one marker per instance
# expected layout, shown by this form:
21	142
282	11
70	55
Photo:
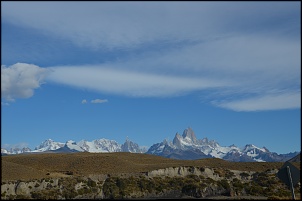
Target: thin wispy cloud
115	25
4	103
264	103
84	101
99	101
130	83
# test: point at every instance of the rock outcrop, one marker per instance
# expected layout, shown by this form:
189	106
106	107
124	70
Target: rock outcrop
172	182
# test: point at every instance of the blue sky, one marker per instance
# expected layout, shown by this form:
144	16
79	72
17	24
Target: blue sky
146	70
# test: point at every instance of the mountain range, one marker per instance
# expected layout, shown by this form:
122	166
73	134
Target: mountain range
185	146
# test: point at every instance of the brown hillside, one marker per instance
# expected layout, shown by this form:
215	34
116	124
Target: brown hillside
295	159
29	166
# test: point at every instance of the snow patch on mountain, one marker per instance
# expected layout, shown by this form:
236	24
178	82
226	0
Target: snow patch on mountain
72	145
48	145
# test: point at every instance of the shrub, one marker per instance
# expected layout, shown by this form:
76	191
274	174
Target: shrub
244	174
36	195
143	184
120	183
192	177
209	180
81	191
201	177
190	189
224	183
229	174
191	169
69	173
23	197
237	184
91	183
110	190
254	189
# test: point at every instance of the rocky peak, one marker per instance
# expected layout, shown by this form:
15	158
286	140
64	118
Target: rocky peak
46	143
49	144
249	147
130	146
26	149
203	141
266	149
177	140
189	133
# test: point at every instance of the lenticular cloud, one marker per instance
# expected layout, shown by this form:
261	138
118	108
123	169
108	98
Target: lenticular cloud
130	83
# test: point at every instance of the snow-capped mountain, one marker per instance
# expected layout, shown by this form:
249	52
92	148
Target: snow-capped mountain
15	150
100	145
95	146
130	146
187	146
48	145
73	146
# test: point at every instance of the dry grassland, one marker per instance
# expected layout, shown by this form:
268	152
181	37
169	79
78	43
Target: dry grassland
37	166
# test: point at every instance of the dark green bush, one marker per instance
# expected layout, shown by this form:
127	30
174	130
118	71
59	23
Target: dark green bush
224	184
244	174
91	183
190	189
202	169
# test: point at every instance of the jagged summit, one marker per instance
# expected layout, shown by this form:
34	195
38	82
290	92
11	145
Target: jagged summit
177	140
189	133
130	146
48	145
45	143
187	146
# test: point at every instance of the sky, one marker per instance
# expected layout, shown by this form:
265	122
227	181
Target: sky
146	70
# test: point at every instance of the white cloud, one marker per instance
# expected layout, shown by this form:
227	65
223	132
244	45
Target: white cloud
131	83
20	80
84	101
131	24
265	102
99	101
